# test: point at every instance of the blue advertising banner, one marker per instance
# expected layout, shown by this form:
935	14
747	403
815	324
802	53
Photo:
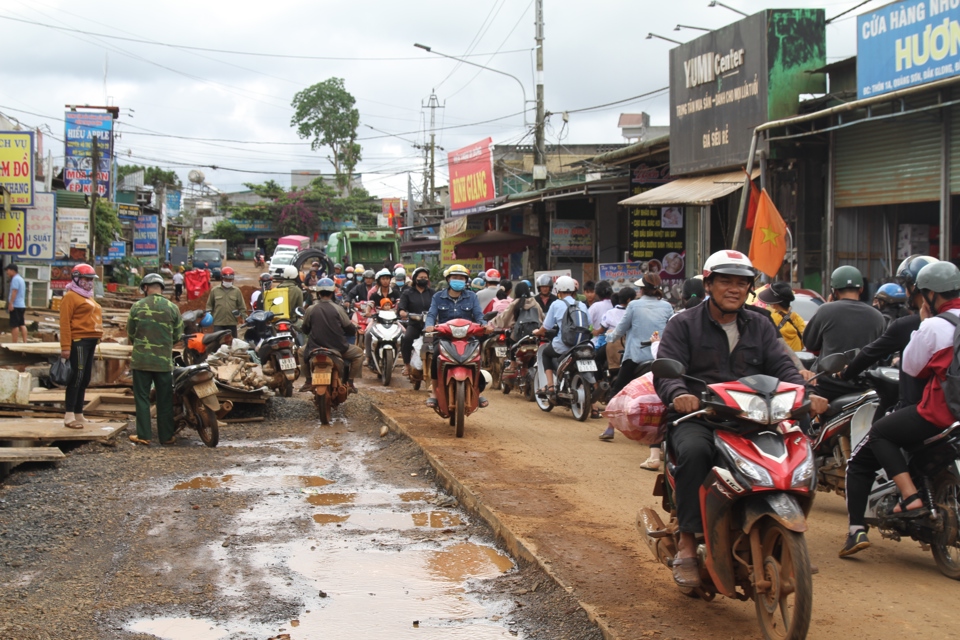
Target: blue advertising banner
81	130
173	202
146	241
252	225
907	43
117	251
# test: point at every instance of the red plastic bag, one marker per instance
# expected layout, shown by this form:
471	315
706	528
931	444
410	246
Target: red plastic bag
197	283
637	412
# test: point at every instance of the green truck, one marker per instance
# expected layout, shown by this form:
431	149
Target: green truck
371	247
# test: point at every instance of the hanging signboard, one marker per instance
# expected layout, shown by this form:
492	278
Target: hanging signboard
173	202
117	251
907	43
12	229
146	240
728	81
621	274
41	228
16	166
81	130
471	178
128	212
453	233
571	239
73	232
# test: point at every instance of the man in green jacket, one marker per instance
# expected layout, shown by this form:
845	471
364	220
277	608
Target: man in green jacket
226	303
153	326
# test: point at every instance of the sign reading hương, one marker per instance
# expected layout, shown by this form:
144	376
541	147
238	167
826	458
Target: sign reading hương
907	43
16	166
471	177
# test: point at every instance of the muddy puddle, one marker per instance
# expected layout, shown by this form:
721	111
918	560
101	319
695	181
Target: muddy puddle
355	558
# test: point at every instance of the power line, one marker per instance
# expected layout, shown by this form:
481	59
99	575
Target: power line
476	39
616	102
234	52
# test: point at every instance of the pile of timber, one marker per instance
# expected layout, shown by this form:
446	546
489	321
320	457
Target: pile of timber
234	367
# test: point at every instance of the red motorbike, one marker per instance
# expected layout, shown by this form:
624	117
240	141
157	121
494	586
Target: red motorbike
458	370
754	501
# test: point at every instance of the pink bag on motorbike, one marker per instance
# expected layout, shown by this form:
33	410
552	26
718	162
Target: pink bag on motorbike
637	412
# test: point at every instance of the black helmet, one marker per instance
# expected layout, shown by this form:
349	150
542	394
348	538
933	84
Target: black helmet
266	278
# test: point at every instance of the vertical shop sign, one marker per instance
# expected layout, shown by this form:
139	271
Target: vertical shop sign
657	235
17	166
81	130
41	228
146	240
471	177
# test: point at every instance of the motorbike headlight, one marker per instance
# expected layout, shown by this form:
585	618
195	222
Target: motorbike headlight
753	407
459	332
781	405
757	475
803	474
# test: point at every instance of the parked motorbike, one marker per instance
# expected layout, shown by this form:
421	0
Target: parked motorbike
575	381
328	371
385	332
754	501
520	368
458	371
195	402
198	345
274	345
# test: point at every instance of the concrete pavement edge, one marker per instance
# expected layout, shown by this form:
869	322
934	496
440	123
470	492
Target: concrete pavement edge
516	545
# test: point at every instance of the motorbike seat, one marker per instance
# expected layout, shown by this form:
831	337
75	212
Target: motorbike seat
215	337
933	441
837	405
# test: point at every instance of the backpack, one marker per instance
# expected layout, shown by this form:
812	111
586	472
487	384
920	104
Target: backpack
951	381
575	326
528	320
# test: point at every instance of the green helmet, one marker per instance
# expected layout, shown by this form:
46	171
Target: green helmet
939	277
151	278
846	277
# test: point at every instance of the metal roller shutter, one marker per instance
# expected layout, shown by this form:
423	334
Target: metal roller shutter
954	150
891	161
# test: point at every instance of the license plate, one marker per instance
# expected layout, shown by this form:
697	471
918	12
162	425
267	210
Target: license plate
586	365
205	389
288	363
323	377
501	352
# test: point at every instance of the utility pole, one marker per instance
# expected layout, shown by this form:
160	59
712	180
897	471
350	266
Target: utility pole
429	179
94	192
539	162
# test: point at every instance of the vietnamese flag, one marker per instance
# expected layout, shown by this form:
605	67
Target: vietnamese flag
391	217
768	244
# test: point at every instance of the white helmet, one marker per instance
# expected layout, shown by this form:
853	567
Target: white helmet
400	272
566	284
290	272
729	262
384	272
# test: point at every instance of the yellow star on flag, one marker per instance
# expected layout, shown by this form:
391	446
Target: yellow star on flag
770	235
766	250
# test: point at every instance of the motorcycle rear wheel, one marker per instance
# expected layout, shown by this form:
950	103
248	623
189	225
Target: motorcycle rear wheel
324	408
530	390
784	611
461	407
387	364
286	389
580	403
207	426
946	545
504	387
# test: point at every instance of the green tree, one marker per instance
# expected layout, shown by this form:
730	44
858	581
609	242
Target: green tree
226	230
325	114
152	176
107	226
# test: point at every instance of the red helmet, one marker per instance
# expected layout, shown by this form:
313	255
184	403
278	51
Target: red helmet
227	273
492	275
83	270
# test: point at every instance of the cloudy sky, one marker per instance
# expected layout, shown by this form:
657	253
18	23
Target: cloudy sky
185	108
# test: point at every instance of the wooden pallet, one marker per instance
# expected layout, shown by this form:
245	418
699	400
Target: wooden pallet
52	429
16	455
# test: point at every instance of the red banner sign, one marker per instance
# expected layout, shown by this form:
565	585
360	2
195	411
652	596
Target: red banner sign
471	177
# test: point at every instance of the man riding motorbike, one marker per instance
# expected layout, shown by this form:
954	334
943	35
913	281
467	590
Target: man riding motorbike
257	297
416	299
455	301
360	292
927	356
717	341
294	292
889	300
554	352
545	296
326	325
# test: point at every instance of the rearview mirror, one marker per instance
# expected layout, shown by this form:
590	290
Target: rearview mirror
833	363
667	368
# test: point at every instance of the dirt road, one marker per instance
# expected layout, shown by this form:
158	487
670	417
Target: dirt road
572	499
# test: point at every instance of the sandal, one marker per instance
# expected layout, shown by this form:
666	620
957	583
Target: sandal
74	424
595	414
136	440
172	440
547	391
911	513
650	465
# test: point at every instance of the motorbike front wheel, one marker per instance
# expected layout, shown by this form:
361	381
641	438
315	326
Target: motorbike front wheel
946	544
784	610
207	427
461	406
543	403
582	392
387	364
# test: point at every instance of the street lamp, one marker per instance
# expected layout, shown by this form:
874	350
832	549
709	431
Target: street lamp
480	66
687	26
714	3
651	36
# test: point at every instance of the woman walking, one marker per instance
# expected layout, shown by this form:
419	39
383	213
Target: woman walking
81	327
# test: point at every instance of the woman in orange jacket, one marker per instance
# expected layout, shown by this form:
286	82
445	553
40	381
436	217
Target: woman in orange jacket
81	327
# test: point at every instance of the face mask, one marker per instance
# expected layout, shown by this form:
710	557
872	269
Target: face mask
349	276
87	284
422	283
227	284
458	285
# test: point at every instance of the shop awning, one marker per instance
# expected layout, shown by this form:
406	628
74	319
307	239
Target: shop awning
494	243
419	245
702	190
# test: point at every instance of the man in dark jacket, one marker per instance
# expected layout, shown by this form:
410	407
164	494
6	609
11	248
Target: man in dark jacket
415	299
326	325
717	341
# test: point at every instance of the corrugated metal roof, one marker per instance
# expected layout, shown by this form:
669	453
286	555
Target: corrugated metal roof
643	148
701	190
71	199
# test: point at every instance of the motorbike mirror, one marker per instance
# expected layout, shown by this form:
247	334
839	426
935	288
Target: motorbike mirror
667	368
833	363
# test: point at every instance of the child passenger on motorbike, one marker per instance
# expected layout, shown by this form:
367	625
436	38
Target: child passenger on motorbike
716	342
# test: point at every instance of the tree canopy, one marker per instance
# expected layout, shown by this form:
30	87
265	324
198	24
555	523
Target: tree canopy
226	230
152	176
325	114
107	227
